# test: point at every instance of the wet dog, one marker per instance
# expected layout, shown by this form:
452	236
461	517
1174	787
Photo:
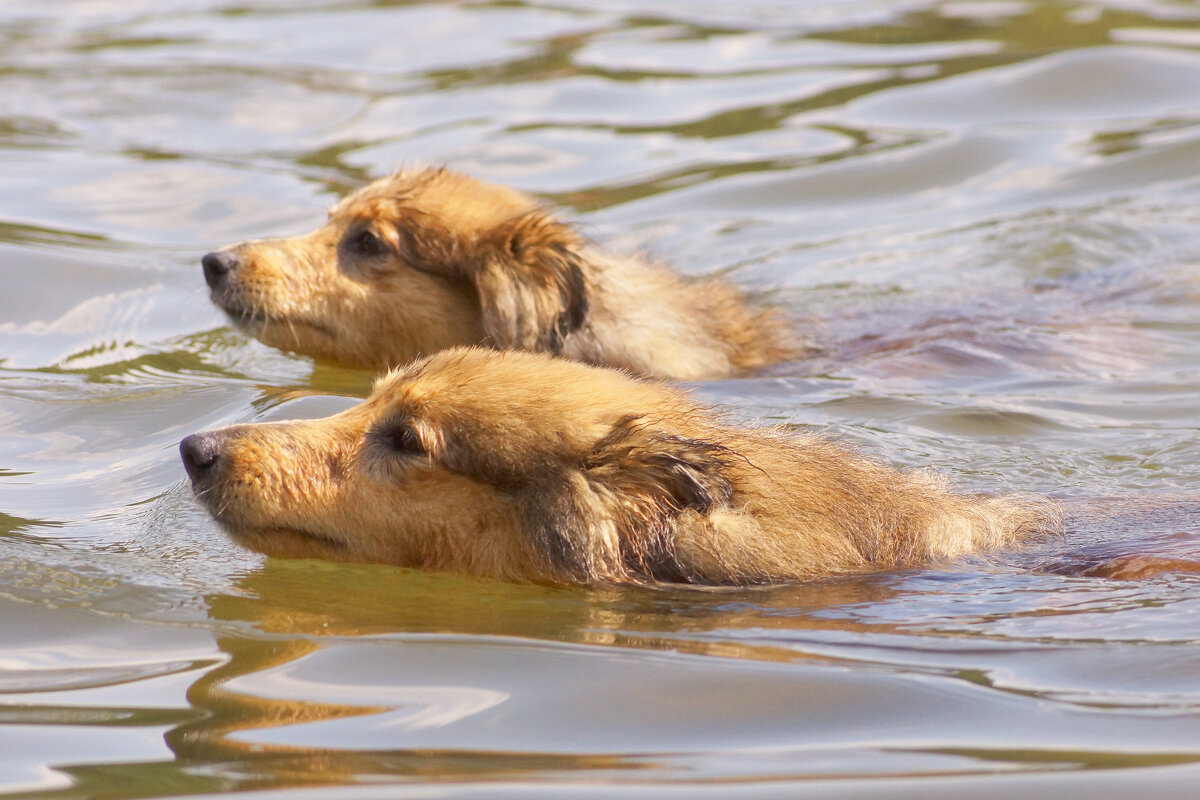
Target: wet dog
522	466
429	259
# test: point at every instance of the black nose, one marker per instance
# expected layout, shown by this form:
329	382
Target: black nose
217	266
200	453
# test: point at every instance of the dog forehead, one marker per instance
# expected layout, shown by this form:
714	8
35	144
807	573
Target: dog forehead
476	376
457	201
492	387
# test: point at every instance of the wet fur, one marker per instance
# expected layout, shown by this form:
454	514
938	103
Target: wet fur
448	260
526	467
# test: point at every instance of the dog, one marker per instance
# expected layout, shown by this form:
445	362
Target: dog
526	467
430	258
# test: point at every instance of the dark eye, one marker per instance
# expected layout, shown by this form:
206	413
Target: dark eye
368	243
401	438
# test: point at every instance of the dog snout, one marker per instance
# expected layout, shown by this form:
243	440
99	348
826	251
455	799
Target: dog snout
217	265
201	452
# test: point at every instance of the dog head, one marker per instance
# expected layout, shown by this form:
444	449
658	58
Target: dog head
503	464
409	265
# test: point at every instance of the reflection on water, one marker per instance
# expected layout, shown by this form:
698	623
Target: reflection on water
986	212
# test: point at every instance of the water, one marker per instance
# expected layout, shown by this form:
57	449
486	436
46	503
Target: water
988	211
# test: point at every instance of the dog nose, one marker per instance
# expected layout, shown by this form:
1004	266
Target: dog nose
217	265
200	453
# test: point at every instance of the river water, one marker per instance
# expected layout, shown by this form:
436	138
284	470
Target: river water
988	212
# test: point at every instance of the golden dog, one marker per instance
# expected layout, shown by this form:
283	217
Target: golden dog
526	467
429	259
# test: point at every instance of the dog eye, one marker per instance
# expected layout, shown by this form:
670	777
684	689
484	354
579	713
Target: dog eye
402	439
368	244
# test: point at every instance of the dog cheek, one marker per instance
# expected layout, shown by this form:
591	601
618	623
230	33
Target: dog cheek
405	316
290	276
288	477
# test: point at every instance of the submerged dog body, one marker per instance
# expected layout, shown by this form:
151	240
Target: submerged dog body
430	259
526	467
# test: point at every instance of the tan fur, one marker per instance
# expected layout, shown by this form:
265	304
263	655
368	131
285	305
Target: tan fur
457	261
526	467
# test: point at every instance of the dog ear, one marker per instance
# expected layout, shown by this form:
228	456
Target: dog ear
617	516
664	473
531	285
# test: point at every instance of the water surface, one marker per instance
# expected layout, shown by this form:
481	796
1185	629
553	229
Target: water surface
988	212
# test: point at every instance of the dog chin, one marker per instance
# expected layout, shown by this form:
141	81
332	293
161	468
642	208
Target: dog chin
244	317
288	542
300	335
268	539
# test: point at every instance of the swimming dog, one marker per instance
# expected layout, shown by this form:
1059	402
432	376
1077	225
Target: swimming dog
522	466
429	259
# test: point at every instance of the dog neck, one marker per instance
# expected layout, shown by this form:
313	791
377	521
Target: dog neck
646	319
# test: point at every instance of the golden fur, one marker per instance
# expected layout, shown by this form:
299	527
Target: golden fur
429	259
526	467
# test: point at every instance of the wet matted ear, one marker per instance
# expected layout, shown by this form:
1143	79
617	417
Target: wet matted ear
531	286
614	515
660	473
